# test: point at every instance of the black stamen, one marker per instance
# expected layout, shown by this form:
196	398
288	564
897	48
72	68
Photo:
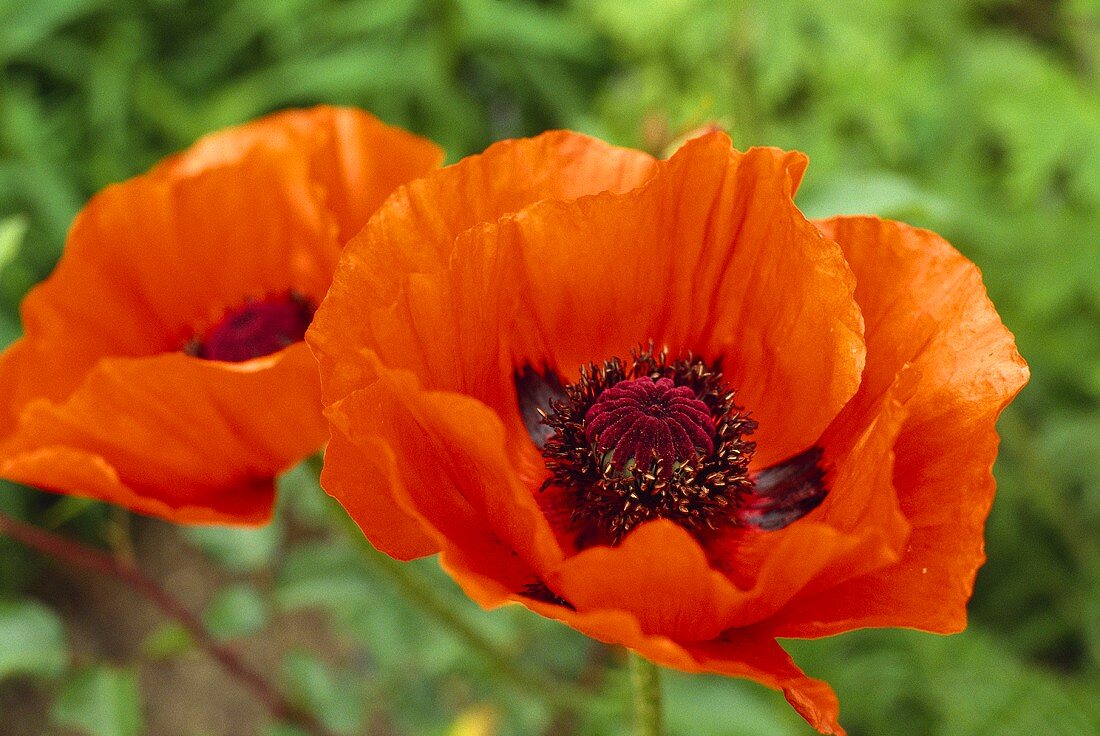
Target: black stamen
784	493
696	483
536	391
539	591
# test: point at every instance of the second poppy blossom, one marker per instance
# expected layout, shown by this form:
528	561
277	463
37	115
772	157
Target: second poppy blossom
162	366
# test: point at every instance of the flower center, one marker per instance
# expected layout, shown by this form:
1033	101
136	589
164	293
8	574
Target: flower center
643	422
255	329
646	439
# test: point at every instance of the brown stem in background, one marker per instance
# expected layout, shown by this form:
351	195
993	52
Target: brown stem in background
89	558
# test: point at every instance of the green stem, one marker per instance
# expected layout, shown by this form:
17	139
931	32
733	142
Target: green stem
419	591
646	679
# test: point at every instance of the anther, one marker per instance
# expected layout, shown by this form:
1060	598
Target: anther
646	439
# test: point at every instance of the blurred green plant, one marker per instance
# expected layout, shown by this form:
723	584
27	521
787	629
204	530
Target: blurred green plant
101	701
979	118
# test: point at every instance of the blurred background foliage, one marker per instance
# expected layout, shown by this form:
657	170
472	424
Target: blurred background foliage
977	118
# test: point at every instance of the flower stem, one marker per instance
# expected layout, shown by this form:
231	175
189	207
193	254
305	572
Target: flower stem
80	555
648	710
568	720
561	694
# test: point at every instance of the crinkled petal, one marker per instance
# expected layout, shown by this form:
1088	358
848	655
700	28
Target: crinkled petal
930	321
660	575
450	458
173	435
150	262
76	472
370	467
709	255
753	655
445	326
355	157
857	529
385	271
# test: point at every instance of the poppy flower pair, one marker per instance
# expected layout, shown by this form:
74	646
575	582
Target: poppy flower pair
644	397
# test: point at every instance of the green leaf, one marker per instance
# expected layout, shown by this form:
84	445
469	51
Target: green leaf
325	575
872	193
9	330
32	640
235	612
12	231
969	685
712	706
167	642
238	549
333	698
101	701
300	493
525	30
24	24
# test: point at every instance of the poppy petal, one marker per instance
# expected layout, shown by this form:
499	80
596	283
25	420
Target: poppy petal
660	575
149	262
445	326
354	156
703	256
172	427
371	467
207	256
414	234
746	653
76	472
452	463
929	320
784	493
858	528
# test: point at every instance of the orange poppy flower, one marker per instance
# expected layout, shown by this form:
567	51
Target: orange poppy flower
651	400
162	366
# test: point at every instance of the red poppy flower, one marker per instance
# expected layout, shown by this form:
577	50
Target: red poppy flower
651	400
162	366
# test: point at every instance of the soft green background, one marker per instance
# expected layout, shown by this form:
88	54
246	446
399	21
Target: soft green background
977	118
